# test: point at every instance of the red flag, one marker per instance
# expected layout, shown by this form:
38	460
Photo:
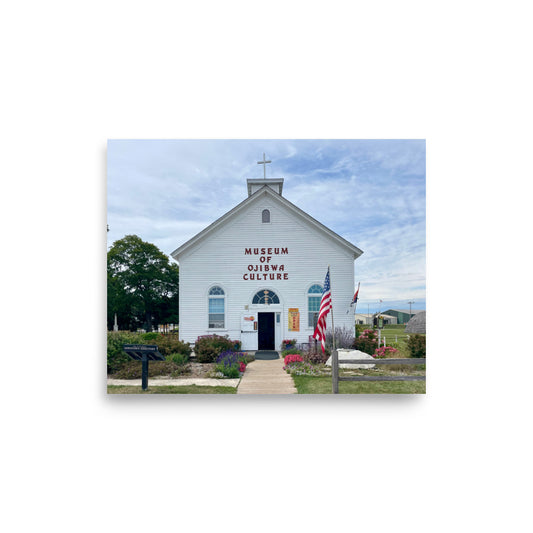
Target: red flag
356	295
325	308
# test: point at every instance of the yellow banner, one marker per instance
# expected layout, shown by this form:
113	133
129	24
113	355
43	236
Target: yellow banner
294	319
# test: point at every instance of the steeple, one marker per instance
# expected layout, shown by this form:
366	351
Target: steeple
254	184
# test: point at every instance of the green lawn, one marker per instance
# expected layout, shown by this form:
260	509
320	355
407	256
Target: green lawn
322	385
168	389
395	331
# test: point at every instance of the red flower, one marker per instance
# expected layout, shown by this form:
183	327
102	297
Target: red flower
293	358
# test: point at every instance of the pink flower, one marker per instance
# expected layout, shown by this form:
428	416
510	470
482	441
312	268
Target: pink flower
293	358
384	351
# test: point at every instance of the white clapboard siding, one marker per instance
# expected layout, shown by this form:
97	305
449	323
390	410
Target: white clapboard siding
219	258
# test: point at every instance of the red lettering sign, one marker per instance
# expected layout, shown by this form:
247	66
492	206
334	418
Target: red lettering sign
266	256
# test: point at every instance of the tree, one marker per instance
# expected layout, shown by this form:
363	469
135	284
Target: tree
142	284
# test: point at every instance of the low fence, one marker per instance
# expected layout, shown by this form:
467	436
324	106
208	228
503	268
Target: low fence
335	362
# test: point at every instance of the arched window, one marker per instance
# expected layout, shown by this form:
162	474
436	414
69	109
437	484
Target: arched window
216	307
265	216
265	297
314	295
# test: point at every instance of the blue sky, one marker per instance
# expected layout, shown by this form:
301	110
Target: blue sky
371	192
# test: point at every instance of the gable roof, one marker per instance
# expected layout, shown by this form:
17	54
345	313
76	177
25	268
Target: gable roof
405	311
265	190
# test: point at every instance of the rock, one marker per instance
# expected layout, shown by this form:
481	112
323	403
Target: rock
345	353
417	324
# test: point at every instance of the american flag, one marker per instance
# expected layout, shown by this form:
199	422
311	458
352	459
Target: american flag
325	308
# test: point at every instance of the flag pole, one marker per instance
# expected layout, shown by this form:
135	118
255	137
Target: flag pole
355	309
334	353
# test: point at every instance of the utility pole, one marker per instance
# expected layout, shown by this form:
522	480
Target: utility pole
410	309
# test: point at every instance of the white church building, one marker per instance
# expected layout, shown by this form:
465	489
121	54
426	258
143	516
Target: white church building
256	274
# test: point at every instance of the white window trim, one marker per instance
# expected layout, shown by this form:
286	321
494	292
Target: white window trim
222	297
308	327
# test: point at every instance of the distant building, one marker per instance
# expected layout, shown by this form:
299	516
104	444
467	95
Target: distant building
371	319
388	320
363	318
402	315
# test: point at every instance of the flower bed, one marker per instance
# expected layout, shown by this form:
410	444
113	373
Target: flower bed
287	344
231	364
301	368
293	358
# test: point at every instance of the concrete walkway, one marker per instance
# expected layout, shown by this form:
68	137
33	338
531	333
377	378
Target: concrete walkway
266	377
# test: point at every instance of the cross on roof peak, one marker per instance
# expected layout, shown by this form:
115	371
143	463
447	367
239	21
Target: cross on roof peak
264	162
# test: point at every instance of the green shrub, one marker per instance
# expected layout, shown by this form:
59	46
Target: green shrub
169	344
228	371
290	351
208	347
367	342
178	358
116	356
166	344
316	358
417	345
150	336
359	328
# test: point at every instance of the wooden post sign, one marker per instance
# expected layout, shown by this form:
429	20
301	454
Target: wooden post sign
144	353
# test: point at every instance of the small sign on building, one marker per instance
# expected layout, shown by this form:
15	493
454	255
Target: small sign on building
247	322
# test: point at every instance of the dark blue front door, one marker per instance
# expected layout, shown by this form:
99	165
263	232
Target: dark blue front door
265	330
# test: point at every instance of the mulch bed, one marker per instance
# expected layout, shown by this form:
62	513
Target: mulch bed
166	369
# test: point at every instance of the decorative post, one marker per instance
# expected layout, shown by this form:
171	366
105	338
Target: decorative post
115	327
335	371
144	371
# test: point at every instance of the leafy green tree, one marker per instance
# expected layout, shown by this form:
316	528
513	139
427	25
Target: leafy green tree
142	284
